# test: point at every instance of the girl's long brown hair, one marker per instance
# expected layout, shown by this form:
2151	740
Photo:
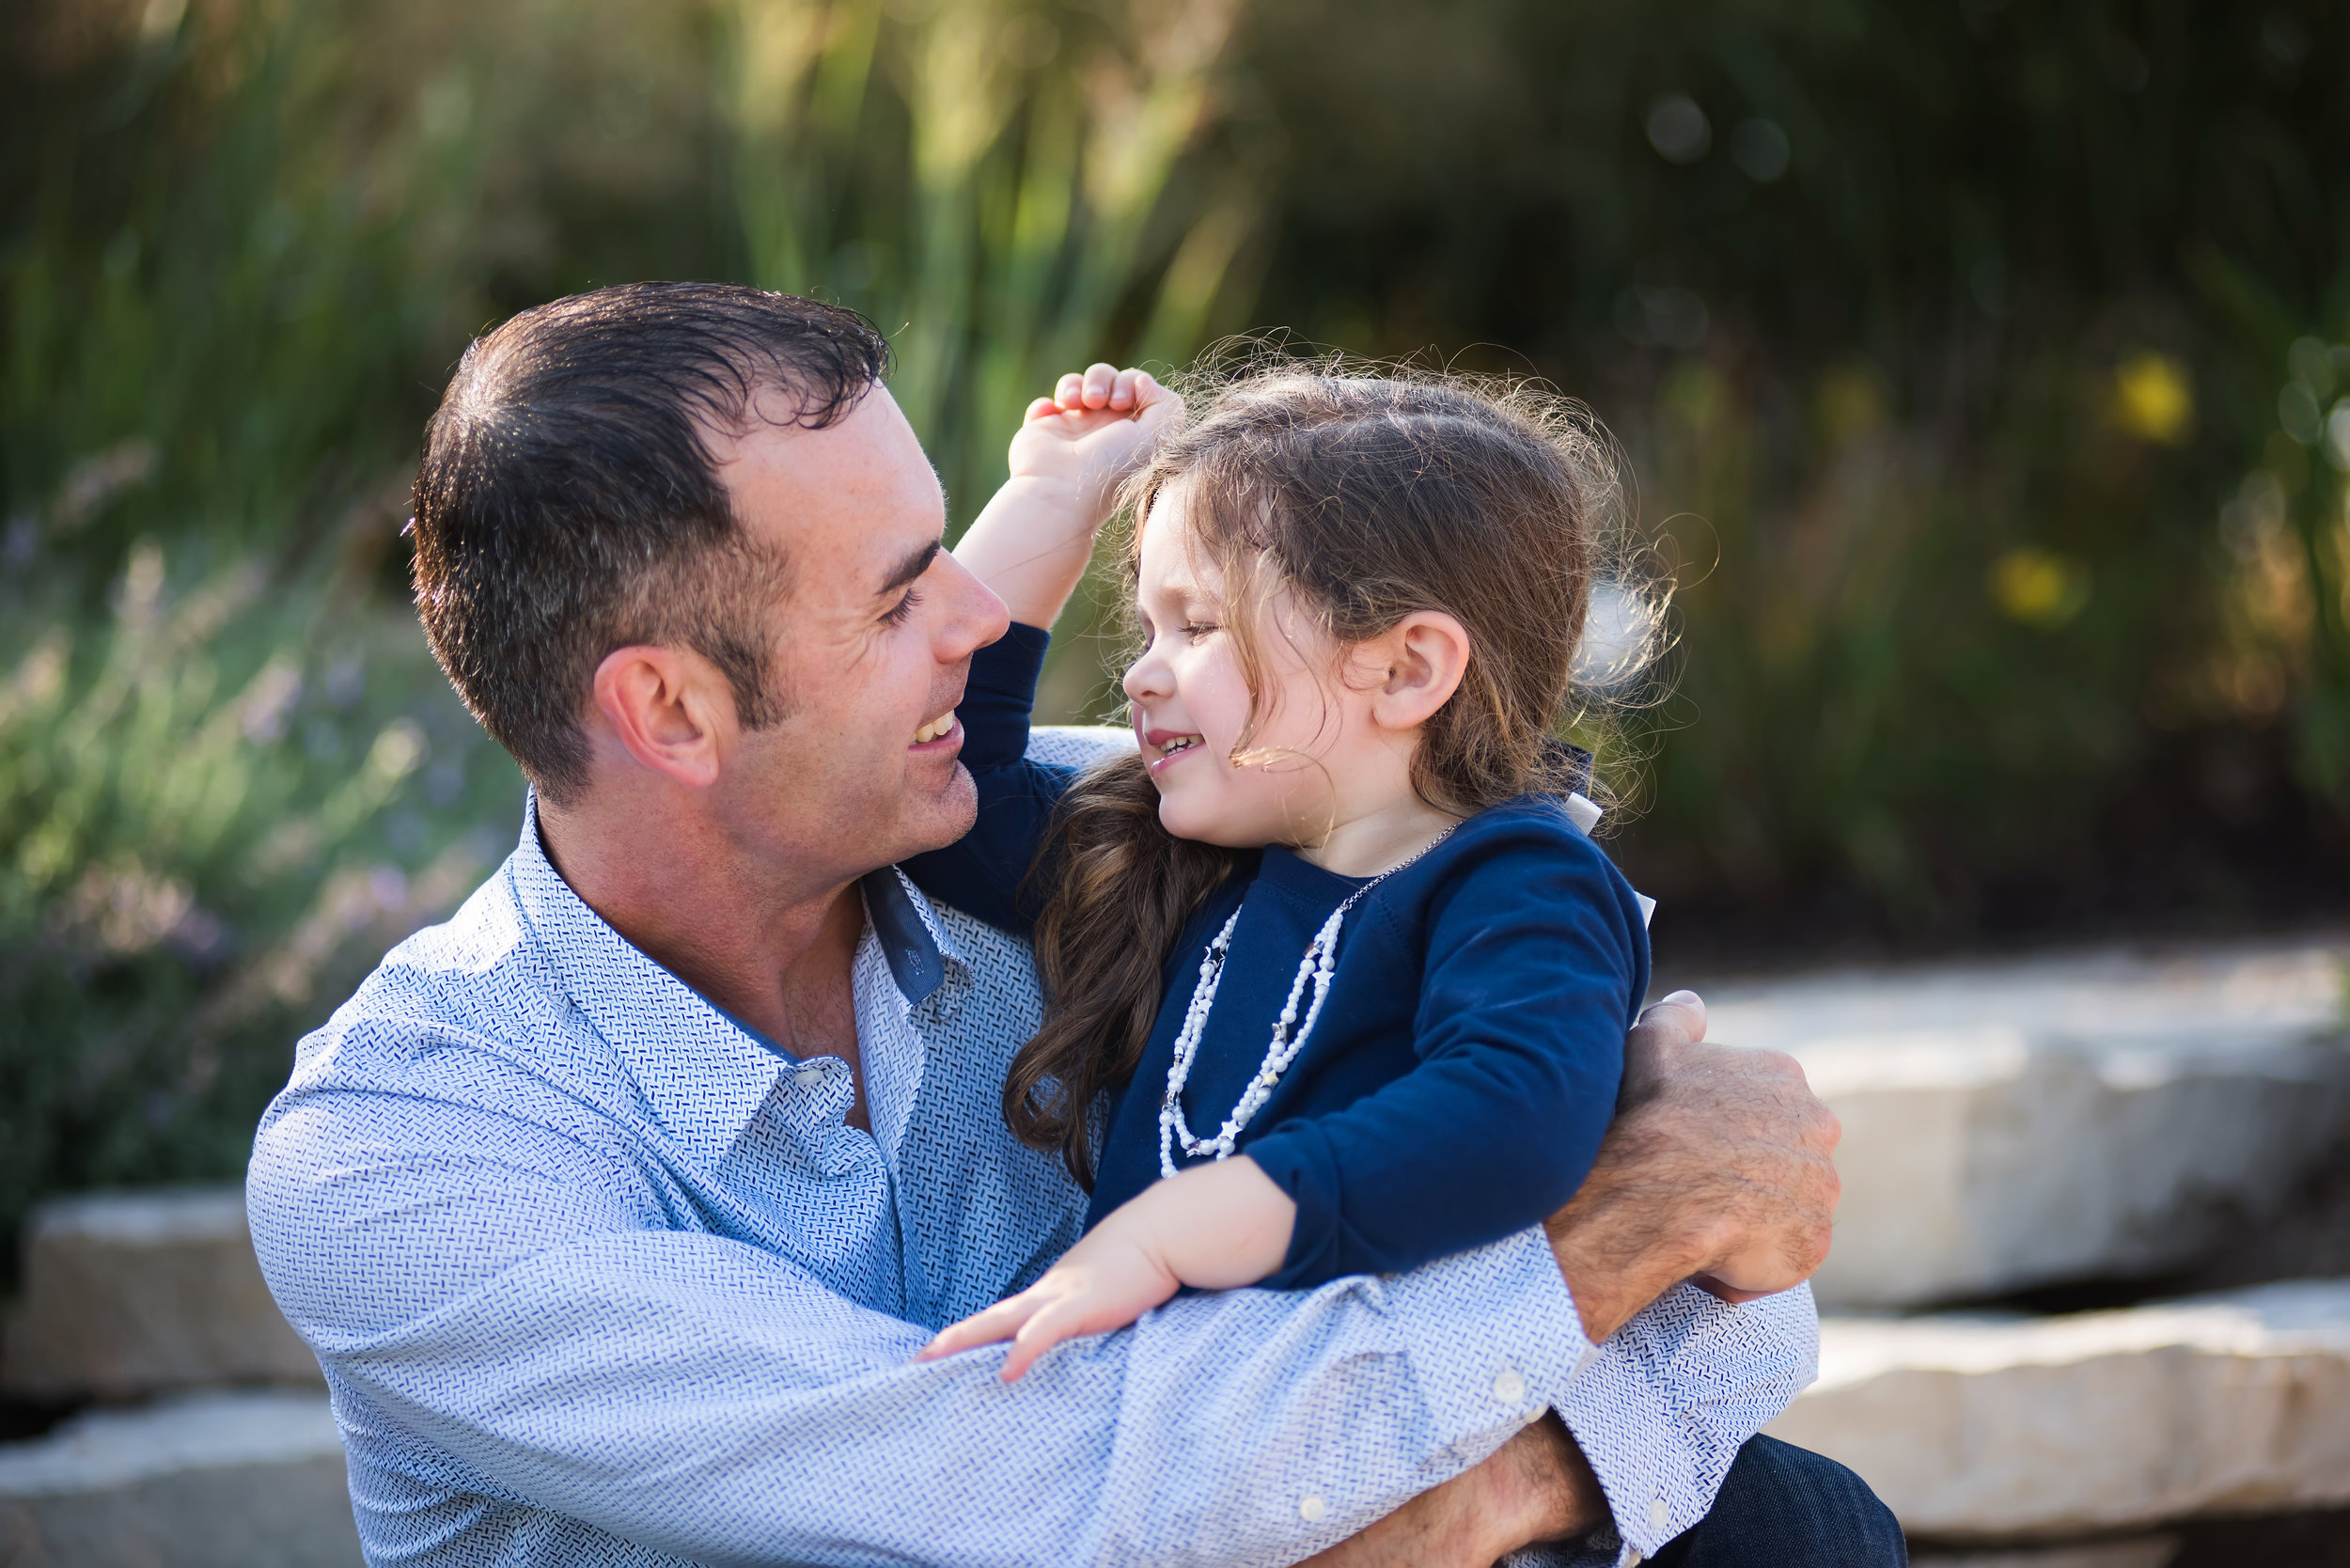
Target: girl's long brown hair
1366	498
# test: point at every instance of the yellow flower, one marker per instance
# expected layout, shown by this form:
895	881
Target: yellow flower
2153	399
2038	587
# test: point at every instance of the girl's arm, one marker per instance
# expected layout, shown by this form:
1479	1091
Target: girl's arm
1213	1226
1536	959
1030	545
985	872
1032	541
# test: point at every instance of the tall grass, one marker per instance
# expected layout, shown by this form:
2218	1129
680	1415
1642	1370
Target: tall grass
1949	343
1003	188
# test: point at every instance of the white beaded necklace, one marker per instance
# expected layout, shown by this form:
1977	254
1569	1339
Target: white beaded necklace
1320	960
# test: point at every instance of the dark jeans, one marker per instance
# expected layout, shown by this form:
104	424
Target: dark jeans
1786	1507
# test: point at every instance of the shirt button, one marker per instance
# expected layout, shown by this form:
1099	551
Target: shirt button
1660	1517
1508	1387
1312	1509
809	1078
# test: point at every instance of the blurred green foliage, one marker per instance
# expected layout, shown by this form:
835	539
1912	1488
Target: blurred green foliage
1982	367
219	802
1948	342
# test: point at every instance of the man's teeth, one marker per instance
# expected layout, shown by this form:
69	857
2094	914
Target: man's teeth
936	728
1181	743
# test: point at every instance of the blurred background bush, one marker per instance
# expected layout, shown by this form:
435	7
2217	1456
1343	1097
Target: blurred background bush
1982	365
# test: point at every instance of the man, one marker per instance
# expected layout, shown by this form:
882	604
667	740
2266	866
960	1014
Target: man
616	1207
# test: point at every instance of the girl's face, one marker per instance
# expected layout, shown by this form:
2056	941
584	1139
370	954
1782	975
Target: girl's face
1191	705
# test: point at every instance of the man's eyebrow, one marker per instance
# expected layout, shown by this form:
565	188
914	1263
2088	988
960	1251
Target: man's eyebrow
912	567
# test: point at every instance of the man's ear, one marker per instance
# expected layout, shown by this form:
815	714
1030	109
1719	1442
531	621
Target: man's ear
1422	661
669	709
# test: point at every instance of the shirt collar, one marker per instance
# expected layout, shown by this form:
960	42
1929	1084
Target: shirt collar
915	944
703	1076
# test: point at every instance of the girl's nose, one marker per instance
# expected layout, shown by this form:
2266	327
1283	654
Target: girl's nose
1145	678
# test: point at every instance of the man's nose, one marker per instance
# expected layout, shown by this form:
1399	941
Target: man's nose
979	617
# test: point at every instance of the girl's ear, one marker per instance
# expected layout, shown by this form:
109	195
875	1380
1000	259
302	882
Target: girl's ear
1418	667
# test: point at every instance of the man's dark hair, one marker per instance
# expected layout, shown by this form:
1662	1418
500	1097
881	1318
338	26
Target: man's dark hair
567	504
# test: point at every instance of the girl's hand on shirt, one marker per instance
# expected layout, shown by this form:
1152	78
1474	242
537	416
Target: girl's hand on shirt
1105	1281
1215	1226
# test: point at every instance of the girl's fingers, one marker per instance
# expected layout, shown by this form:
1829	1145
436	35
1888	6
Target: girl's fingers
1043	408
1065	1319
1101	386
1017	1360
1000	1322
1038	1335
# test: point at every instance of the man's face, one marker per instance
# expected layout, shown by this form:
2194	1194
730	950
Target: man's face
870	647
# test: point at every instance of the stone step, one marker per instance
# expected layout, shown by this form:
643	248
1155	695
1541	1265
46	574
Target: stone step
239	1479
2146	1551
128	1294
2110	1116
1982	1426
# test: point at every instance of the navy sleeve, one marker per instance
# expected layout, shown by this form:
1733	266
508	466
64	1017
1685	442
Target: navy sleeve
986	872
1537	962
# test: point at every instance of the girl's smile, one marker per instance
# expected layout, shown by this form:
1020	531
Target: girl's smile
1163	746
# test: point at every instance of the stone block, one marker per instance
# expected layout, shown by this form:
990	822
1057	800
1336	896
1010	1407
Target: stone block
2043	1428
238	1480
2010	1125
2145	1551
133	1293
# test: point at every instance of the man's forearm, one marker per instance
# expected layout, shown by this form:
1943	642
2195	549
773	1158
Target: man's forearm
1534	1488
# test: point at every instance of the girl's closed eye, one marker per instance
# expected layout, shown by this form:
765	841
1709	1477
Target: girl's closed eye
1197	629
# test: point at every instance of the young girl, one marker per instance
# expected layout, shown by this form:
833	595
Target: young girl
1338	984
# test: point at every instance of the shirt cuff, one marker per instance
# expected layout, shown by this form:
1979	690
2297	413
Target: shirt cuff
1493	1336
1624	1420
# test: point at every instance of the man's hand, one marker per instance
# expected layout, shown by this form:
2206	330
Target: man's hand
1072	451
1537	1486
1718	1169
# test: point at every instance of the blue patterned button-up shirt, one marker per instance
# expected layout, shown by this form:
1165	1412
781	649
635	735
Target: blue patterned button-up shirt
598	1276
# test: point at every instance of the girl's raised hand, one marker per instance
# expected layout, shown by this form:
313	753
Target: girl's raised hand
1105	1281
1096	428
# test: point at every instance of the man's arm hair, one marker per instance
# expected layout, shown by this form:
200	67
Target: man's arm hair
1719	1169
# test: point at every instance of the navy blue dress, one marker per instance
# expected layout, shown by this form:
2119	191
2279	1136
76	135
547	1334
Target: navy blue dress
1453	1091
